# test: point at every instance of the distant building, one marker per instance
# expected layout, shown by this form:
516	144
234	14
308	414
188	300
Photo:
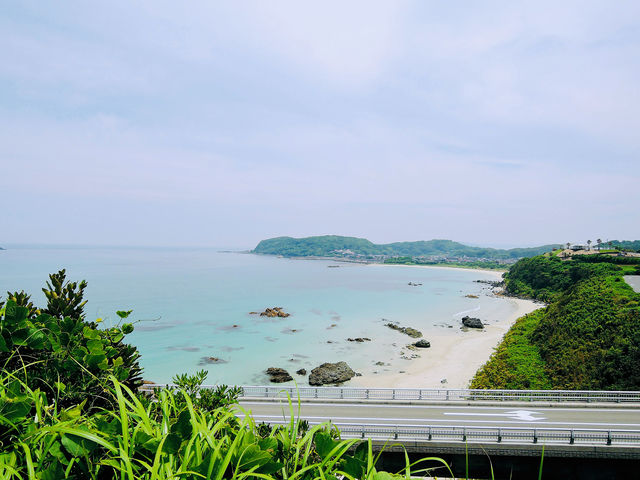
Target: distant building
577	247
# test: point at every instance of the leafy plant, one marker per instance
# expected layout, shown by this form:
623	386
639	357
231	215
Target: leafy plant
63	354
208	399
64	299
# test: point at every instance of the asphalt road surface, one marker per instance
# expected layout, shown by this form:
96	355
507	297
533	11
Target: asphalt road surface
439	415
634	281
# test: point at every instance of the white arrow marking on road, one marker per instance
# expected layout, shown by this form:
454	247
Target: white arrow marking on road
524	415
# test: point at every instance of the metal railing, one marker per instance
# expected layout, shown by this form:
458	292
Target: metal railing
411	394
427	394
513	435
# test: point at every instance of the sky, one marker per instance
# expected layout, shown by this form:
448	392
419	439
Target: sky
224	123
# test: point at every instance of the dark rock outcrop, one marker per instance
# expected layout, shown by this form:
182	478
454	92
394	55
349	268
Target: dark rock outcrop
302	371
329	373
471	322
274	312
278	375
211	361
359	339
412	332
422	343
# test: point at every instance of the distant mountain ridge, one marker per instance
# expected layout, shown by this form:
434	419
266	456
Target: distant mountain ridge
338	246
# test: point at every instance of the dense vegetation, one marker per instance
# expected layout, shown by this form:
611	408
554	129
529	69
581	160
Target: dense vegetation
333	245
588	337
548	277
517	363
56	351
632	245
485	264
70	408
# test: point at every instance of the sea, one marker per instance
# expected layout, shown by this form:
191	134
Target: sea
193	304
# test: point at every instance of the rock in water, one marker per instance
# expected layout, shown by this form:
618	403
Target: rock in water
302	371
412	332
211	361
278	375
422	343
274	312
331	373
471	322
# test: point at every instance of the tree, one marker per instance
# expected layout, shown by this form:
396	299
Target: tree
599	243
57	351
589	244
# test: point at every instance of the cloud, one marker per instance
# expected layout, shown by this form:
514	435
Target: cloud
393	119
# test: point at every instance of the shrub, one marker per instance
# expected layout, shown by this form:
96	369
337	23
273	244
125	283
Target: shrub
56	351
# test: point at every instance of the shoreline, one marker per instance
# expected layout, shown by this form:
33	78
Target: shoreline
372	263
498	273
454	357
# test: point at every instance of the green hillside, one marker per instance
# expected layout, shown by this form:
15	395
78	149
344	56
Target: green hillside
334	246
587	338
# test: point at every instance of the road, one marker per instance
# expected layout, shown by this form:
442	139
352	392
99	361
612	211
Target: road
444	415
634	281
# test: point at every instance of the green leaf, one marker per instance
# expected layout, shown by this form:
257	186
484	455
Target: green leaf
268	444
124	313
14	314
324	444
362	451
73	412
95	347
127	328
104	365
20	336
253	456
37	339
95	360
386	476
77	446
15	409
183	428
3	344
352	466
90	333
270	468
171	444
52	472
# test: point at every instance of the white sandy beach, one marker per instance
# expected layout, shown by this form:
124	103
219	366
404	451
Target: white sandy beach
454	355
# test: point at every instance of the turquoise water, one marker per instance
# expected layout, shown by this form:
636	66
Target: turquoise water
195	303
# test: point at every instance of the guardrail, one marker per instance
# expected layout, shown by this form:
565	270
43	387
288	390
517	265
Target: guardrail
514	435
441	394
411	394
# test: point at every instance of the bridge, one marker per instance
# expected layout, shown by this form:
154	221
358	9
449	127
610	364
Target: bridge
583	434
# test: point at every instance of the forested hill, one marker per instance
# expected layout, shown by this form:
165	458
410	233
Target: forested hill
337	246
587	338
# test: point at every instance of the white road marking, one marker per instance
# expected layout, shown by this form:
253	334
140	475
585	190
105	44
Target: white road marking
524	415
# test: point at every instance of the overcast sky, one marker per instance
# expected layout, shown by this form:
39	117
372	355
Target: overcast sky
223	123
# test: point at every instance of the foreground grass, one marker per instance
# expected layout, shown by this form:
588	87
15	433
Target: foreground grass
170	437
